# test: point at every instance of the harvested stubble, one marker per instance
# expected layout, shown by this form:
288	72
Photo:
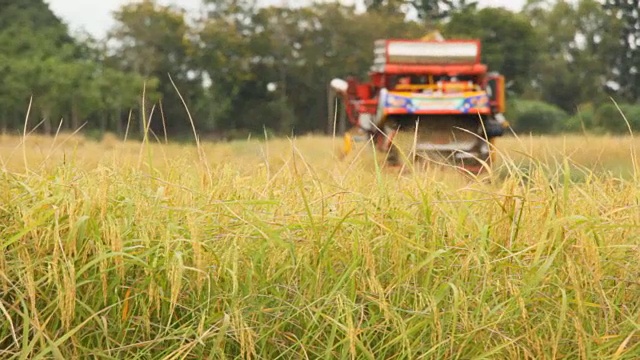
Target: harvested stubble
276	250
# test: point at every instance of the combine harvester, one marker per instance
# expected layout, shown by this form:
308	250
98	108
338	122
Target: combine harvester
434	94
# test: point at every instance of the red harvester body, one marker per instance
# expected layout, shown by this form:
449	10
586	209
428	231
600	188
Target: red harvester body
439	86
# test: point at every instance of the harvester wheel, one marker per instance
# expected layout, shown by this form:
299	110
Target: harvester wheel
393	157
385	143
493	129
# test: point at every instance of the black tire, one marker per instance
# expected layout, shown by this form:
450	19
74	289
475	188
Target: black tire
492	129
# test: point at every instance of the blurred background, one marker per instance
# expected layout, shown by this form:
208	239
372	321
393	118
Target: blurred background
249	67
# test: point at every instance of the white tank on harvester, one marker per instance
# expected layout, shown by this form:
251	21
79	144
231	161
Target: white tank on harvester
434	92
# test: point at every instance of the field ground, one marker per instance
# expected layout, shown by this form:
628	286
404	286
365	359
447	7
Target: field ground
282	249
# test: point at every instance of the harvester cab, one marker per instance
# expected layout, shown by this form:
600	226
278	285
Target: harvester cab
430	97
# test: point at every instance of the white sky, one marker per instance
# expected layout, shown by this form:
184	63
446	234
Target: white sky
94	16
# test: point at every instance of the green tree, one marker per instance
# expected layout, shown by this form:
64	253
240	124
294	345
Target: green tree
510	43
29	25
579	45
30	34
222	58
155	42
440	9
300	50
427	10
63	76
628	55
530	116
393	7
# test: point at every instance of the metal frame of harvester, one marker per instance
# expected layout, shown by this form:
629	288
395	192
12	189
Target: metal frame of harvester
437	91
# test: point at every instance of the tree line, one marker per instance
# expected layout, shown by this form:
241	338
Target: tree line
238	68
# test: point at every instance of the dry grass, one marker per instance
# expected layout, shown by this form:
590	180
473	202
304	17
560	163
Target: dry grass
265	250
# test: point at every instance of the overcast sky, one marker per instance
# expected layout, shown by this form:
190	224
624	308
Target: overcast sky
94	16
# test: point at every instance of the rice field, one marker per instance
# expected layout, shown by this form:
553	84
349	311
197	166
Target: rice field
283	249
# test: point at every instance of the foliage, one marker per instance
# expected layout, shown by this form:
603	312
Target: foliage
300	50
514	55
608	118
628	55
616	119
429	10
440	9
578	42
42	62
154	41
583	120
222	57
244	68
527	116
28	26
